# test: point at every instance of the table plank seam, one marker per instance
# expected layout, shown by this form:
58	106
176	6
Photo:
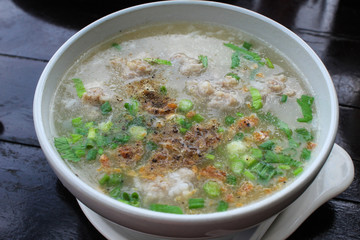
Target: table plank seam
24	57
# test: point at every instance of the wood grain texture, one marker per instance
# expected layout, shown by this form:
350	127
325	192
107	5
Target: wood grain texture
34	204
18	82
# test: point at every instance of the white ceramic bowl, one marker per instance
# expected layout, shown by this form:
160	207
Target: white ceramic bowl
202	225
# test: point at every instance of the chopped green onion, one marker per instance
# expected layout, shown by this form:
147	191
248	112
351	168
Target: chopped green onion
235	60
220	130
185	123
62	145
163	90
198	118
256	98
135	195
92	134
105	108
166	208
253	55
305	134
115	179
212	189
247	45
105	127
122	139
297	171
276	122
204	60
235	148
150	146
132	107
126	196
115	192
239	114
81	131
100	151
222	207
239	136
137	132
269	63
102	141
233	75
237	166
305	103
265	171
116	45
229	120
231	179
270	157
132	199
305	154
183	130
283	98
76	138
91	155
256	153
284	159
79	87
90	143
157	61
196	203
284	167
267	145
138	121
89	124
248	159
293	143
210	156
249	175
185	105
104	179
76	122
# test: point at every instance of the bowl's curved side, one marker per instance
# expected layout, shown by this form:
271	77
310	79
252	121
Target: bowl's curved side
187	225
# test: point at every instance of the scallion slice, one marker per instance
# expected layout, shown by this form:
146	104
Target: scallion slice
204	60
165	208
91	155
229	120
222	206
196	203
212	189
269	63
305	103
185	105
297	171
157	61
233	75
116	46
256	98
106	108
283	98
247	45
235	60
79	86
77	122
305	154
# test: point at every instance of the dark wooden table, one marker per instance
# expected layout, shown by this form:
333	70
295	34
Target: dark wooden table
33	202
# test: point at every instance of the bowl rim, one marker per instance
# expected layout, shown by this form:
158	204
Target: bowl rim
67	176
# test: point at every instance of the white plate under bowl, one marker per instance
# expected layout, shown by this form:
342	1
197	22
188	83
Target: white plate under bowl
335	176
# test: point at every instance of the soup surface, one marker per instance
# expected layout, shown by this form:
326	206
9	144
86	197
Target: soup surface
184	118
